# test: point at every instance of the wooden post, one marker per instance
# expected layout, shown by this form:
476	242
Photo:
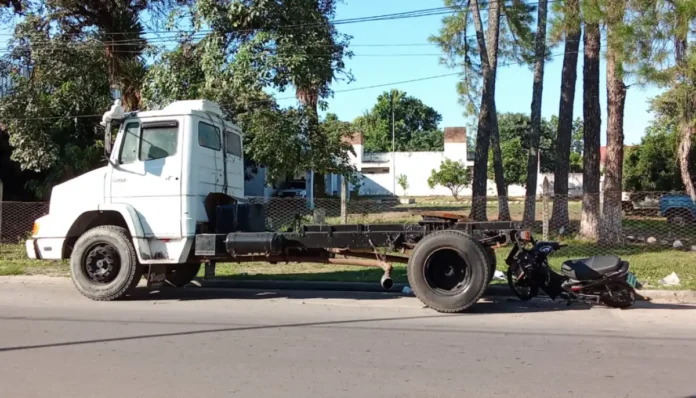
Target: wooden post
209	269
546	193
344	200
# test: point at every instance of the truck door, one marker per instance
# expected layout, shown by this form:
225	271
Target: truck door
147	175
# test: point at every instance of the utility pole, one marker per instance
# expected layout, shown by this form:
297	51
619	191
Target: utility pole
393	146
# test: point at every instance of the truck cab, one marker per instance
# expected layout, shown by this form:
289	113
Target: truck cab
163	167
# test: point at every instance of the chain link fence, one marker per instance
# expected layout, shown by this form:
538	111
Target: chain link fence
17	220
646	221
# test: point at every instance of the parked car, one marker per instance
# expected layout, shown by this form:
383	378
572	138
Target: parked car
680	210
296	189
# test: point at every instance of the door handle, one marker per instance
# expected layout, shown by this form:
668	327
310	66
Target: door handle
169	178
118	180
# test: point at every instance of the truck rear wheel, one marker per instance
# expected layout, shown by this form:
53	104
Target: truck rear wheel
104	265
448	271
180	275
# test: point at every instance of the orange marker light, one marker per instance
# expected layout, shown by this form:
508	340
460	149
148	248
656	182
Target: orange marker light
525	235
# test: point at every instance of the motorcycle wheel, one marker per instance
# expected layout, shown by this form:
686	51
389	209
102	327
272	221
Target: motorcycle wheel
619	294
523	292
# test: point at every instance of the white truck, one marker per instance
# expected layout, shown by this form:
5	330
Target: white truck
172	197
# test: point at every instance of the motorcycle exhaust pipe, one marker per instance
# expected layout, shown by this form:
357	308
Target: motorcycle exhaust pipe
386	281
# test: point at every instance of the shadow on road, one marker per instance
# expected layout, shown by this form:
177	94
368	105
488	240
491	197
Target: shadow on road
489	305
384	324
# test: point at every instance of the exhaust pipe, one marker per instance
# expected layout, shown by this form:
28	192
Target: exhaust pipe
387	282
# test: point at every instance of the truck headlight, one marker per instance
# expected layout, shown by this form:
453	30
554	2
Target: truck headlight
35	229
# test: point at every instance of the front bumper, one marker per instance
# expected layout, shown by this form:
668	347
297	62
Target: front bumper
32	250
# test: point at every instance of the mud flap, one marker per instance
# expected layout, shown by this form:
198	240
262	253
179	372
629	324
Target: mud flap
156	275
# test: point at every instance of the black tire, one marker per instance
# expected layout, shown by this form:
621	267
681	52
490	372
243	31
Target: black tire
618	294
492	261
526	295
436	265
679	220
180	275
103	247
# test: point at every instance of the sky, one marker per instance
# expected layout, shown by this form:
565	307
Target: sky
381	65
392	62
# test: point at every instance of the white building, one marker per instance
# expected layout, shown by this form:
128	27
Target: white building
380	171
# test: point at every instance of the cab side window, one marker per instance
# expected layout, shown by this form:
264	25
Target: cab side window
158	142
129	146
233	144
209	136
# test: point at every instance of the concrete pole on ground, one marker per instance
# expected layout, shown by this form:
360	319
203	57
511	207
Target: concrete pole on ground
546	193
344	200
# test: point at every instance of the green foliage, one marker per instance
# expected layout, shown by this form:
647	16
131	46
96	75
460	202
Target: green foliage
402	180
415	125
453	175
461	52
277	139
67	78
653	165
515	131
514	162
258	37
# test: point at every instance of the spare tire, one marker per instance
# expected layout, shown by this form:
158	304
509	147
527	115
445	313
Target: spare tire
448	271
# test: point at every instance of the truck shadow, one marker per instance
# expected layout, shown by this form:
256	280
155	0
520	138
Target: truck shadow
489	304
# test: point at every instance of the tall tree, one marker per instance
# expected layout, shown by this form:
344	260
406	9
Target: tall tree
477	56
669	59
67	77
567	26
537	90
483	135
610	229
308	59
118	27
415	124
494	10
592	116
198	70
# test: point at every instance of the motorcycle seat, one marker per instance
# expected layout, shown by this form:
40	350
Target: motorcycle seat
590	268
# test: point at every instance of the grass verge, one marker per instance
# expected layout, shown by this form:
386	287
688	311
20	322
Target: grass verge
649	262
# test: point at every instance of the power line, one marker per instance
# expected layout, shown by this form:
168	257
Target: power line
382	17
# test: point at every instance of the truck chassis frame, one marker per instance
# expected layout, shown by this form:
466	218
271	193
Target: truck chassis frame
370	245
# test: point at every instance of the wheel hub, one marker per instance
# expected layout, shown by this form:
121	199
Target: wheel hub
102	263
446	272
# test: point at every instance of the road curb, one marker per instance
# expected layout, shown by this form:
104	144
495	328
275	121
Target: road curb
673	296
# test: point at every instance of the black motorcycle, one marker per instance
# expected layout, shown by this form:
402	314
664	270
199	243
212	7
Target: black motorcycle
604	279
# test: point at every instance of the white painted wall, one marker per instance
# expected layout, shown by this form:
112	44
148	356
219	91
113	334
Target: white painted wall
418	166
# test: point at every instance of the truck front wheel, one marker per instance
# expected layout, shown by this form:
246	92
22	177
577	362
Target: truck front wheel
104	265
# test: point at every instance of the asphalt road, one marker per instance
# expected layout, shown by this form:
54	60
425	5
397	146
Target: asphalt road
213	343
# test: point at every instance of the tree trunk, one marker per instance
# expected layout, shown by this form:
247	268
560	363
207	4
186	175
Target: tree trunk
611	231
492	46
537	90
687	131
559	215
479	185
686	124
589	223
309	97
